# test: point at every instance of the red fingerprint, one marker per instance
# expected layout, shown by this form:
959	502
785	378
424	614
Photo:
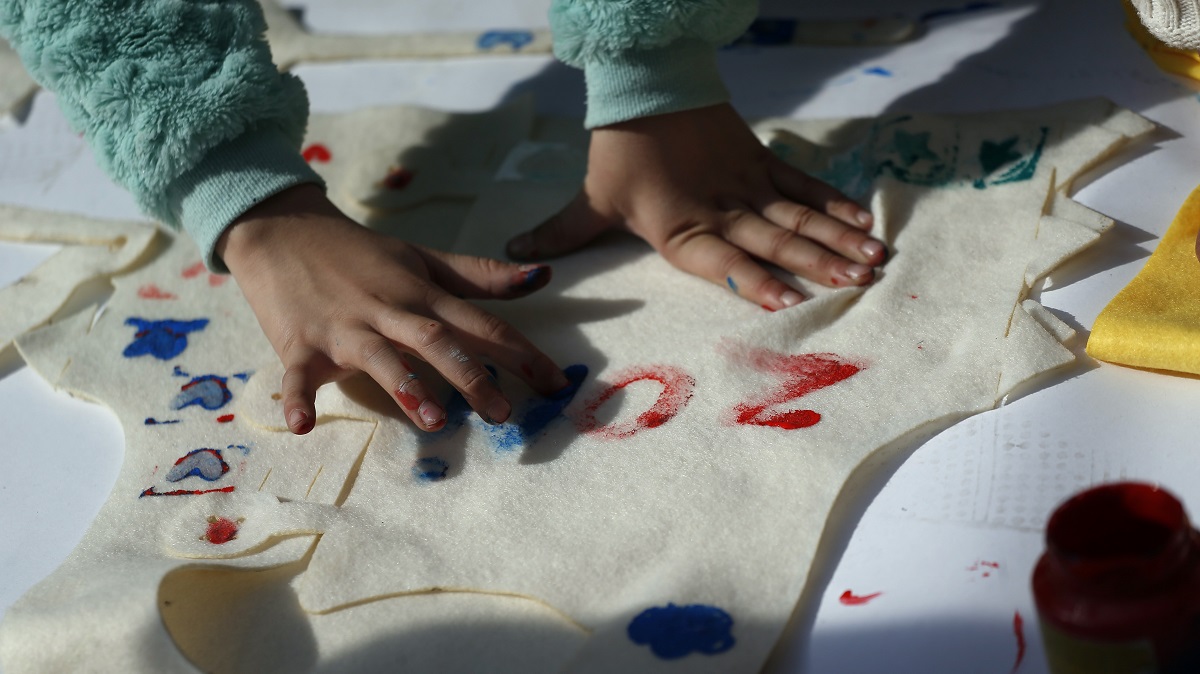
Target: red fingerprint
193	271
677	391
316	152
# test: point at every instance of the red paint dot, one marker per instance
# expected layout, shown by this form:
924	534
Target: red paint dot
833	280
153	292
316	152
193	271
220	530
913	296
217	280
398	178
848	598
224	418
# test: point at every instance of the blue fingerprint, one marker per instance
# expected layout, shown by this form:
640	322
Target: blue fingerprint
205	464
511	436
430	469
208	391
162	339
494	38
675	631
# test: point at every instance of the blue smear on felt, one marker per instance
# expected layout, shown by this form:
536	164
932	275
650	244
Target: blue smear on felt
494	38
430	469
512	436
208	391
151	421
675	631
162	339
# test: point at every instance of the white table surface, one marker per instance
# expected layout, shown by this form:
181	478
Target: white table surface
977	492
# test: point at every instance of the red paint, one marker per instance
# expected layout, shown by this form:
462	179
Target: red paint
217	280
220	530
407	400
834	281
913	296
153	292
1019	631
193	271
802	374
1121	569
186	492
316	152
224	418
767	308
848	598
677	391
990	565
398	179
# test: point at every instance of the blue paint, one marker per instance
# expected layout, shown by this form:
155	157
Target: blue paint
151	421
934	14
675	631
994	155
512	436
244	376
206	464
730	283
208	391
515	38
430	469
882	72
178	372
245	449
162	339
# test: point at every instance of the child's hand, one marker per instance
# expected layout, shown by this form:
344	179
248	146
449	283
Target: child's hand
334	298
700	188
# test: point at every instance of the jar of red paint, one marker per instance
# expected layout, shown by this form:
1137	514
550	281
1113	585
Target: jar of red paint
1118	588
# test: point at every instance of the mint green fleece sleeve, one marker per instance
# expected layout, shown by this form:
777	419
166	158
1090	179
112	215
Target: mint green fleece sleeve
647	57
179	100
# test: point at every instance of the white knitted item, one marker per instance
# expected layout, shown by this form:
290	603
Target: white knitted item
1175	22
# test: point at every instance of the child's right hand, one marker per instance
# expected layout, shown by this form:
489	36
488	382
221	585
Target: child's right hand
335	298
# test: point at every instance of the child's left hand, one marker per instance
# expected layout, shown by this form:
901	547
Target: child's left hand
699	187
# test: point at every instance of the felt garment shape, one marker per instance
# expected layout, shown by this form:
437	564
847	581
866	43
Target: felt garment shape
661	514
1154	322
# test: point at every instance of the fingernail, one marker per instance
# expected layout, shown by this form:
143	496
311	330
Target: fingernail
857	271
298	420
521	246
790	298
864	218
498	412
531	277
431	413
872	249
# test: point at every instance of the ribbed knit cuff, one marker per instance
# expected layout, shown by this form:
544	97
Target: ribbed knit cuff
640	83
231	179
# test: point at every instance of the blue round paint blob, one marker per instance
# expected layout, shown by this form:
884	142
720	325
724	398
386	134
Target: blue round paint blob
675	631
430	469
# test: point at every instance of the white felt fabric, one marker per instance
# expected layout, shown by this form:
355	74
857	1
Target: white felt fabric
16	86
540	545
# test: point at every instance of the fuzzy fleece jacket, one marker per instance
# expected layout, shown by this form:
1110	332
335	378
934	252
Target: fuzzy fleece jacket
182	105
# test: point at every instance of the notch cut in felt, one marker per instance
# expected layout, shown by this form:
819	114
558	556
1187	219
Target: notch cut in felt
1154	322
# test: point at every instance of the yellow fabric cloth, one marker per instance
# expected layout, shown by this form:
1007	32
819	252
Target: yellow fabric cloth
1154	322
1170	59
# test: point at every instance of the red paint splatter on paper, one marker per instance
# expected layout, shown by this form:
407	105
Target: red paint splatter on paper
220	530
848	598
153	292
224	418
398	178
193	271
1019	631
316	152
185	492
802	374
677	391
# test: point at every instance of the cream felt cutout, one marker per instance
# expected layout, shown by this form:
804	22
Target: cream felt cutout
16	86
95	249
291	43
684	480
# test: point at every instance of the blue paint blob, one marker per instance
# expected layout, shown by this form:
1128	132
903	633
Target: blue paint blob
245	449
512	436
430	469
730	283
162	339
208	391
206	464
178	372
882	72
151	421
515	38
244	376
675	631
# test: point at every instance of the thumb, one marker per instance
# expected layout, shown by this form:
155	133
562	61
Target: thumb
569	229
